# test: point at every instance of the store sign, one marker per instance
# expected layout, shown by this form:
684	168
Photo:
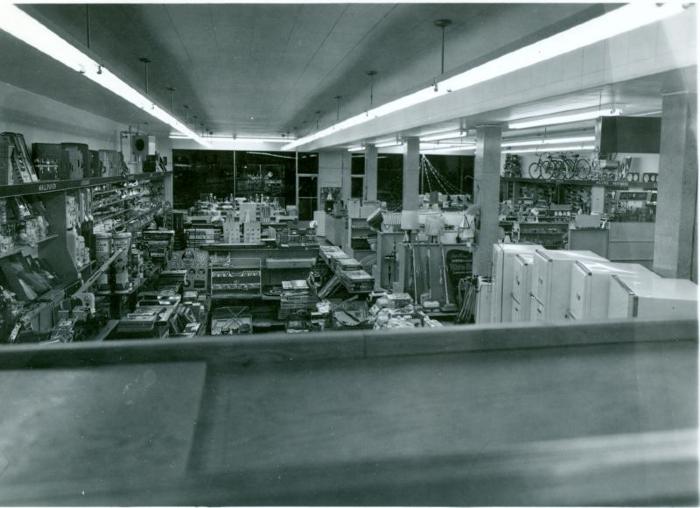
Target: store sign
45	187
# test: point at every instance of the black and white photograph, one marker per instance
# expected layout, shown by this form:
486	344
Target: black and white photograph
335	253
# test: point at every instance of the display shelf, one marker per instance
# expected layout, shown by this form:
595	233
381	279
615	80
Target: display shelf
26	248
553	182
112	215
46	186
236	296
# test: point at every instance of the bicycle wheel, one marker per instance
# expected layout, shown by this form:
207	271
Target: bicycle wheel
568	169
583	169
548	169
558	170
535	170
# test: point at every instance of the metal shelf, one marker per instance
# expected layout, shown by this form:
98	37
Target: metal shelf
25	248
48	186
581	183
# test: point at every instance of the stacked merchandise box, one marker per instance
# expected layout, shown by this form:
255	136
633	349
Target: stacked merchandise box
75	159
95	164
5	162
47	161
251	232
20	160
196	236
112	162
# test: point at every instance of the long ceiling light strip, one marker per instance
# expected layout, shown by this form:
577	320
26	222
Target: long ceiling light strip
551	149
564	118
437	146
388	144
22	26
551	141
216	139
453	149
611	24
444	135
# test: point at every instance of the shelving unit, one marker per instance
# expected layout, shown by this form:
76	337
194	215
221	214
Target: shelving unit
53	249
358	235
240	280
27	249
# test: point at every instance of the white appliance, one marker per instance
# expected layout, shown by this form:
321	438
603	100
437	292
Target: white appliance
483	301
590	286
551	282
502	277
522	278
652	298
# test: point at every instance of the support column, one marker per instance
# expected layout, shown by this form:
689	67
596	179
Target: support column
487	175
370	173
411	173
676	219
345	175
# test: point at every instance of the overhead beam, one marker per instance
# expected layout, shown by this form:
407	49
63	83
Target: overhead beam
653	49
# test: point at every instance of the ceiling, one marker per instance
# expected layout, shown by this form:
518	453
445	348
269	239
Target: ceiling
261	69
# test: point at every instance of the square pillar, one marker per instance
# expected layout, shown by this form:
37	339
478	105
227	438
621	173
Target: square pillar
487	177
411	173
370	173
676	206
345	175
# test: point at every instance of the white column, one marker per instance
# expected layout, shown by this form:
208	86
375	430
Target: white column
411	173
370	173
487	168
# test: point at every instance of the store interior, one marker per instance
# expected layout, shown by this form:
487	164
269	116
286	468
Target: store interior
255	236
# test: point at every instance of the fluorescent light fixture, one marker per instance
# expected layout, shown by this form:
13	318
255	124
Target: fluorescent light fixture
440	146
453	149
19	24
621	20
444	135
550	141
356	149
563	118
551	149
387	144
227	139
438	131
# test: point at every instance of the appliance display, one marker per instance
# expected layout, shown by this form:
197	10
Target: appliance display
590	286
648	297
551	282
502	278
522	277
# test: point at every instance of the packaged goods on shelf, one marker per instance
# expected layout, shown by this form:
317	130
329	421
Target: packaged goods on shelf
75	157
296	299
21	166
251	232
47	161
112	162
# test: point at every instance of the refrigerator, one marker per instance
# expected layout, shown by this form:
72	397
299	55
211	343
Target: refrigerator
551	282
652	298
522	277
590	286
502	278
